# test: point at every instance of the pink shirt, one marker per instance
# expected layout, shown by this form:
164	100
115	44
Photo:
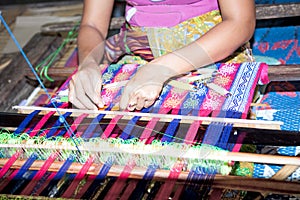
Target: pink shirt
166	13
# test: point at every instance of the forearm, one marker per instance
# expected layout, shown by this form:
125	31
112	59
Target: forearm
215	45
90	49
93	29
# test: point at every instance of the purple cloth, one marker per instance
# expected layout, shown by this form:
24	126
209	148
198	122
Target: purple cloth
166	13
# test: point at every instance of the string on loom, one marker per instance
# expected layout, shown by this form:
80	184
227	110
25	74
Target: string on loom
61	118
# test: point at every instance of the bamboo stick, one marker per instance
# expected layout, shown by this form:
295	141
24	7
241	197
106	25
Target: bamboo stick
275	125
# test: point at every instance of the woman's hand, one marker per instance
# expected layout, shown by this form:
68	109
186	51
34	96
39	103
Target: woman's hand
144	88
85	87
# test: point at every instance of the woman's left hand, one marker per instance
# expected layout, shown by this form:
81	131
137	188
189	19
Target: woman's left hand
144	88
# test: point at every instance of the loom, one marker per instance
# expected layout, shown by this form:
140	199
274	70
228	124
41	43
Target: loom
187	145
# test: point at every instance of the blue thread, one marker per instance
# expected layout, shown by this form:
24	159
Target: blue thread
225	136
131	124
213	133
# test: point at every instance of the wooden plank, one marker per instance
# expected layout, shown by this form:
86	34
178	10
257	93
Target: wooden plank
284	72
273	11
13	86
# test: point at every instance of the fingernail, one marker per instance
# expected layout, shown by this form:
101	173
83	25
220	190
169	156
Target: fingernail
131	107
100	105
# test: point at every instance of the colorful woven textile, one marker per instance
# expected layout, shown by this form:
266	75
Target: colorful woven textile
281	43
282	100
149	43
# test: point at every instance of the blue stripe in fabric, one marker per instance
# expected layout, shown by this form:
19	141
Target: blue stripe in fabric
141	187
25	122
57	125
99	178
213	133
131	124
58	176
127	130
170	132
225	136
26	166
91	128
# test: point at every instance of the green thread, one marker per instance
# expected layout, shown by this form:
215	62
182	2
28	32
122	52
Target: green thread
163	154
51	58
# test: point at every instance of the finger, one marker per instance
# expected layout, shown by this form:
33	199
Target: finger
83	98
132	102
98	88
149	103
72	98
71	95
124	99
78	104
93	90
140	102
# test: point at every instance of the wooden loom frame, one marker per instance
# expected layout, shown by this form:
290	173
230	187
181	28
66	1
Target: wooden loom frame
291	73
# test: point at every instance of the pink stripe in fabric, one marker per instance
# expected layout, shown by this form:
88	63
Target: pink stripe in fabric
114	192
8	179
164	109
28	189
41	123
108	130
148	129
129	189
52	175
231	77
178	192
9	163
70	191
264	78
88	183
192	132
166	190
77	122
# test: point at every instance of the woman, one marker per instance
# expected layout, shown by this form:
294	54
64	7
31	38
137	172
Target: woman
173	36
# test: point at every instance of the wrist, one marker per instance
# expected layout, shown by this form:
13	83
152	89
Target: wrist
87	63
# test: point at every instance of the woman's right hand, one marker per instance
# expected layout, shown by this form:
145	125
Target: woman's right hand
85	87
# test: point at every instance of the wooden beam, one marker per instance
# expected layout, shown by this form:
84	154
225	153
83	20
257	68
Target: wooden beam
273	11
13	86
220	181
284	72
